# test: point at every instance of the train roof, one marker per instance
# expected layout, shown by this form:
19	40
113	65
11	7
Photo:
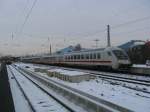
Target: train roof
87	50
93	50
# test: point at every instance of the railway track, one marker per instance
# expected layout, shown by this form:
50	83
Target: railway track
113	76
21	89
30	102
124	79
117	77
82	99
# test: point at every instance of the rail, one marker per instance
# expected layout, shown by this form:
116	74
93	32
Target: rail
82	99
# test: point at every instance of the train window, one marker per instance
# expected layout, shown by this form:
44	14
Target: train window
87	56
98	55
78	56
120	54
82	56
66	57
94	56
109	53
71	57
91	56
74	56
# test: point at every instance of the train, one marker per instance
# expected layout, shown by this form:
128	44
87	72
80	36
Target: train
110	57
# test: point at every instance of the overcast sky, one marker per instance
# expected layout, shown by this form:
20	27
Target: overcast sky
69	22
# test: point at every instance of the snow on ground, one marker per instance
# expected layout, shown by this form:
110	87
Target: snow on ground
146	78
131	99
140	66
33	66
40	100
115	93
20	104
130	85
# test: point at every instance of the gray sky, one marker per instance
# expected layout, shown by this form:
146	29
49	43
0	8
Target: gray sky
68	22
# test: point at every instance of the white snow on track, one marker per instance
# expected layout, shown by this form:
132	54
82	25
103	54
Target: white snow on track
33	66
140	66
20	103
131	99
40	100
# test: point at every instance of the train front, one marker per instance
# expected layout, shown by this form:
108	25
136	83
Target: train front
121	60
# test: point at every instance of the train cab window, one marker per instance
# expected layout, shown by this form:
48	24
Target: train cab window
120	54
98	56
109	53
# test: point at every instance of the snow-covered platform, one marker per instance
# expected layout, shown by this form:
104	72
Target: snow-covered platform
141	69
66	75
71	76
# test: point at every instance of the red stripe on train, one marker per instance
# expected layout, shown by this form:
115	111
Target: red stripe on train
91	61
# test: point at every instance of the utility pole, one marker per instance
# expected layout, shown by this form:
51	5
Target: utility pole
108	36
50	48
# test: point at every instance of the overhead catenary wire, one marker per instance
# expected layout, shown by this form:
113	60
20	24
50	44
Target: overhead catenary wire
21	14
120	25
131	22
133	31
27	17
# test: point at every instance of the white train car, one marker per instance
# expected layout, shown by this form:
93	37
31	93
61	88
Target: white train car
111	57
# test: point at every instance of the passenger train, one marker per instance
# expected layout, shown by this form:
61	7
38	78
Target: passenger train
110	57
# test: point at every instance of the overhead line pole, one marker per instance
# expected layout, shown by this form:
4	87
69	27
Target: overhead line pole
108	36
50	47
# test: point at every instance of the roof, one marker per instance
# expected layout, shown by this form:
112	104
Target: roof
88	50
131	44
